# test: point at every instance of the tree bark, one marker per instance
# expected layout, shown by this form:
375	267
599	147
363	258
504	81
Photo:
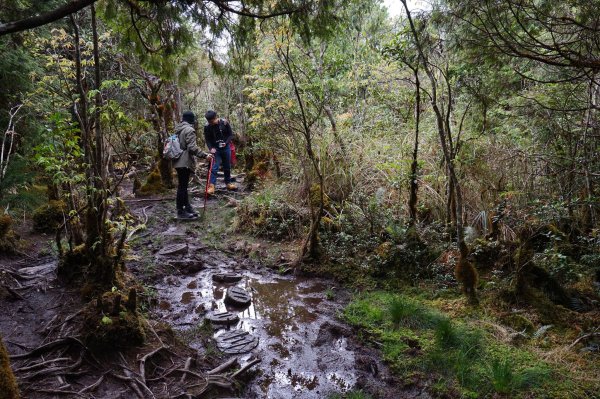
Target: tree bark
414	185
43	19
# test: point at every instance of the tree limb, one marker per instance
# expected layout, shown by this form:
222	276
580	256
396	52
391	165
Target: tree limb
43	19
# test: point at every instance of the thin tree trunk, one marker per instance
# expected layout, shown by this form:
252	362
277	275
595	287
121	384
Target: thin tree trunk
414	185
465	271
97	236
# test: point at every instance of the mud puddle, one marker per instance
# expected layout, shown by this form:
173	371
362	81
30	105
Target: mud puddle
286	314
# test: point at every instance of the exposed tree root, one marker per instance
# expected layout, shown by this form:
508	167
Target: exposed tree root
51	345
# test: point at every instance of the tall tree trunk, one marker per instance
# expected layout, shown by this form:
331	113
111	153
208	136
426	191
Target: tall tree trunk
310	246
97	237
465	272
414	185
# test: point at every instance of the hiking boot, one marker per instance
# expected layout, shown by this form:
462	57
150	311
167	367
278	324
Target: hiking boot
231	187
183	214
211	189
191	211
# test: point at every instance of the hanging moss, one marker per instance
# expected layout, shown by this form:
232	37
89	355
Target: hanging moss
49	217
153	185
315	196
8	384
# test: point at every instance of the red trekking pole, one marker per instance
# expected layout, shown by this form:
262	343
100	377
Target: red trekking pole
212	160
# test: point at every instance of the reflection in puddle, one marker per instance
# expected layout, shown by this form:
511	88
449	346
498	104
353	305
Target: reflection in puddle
187	297
298	381
286	315
192	284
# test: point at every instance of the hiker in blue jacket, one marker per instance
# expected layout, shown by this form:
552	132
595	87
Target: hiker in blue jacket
218	135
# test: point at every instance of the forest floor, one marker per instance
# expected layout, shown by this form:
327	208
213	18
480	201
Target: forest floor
304	348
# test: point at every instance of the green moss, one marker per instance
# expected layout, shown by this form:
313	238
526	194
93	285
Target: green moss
73	264
8	241
49	217
420	342
109	325
518	322
5	223
8	384
153	184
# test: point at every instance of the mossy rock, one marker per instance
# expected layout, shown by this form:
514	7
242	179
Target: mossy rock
518	323
110	324
153	185
8	384
49	217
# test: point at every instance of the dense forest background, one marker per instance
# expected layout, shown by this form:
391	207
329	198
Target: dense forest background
453	147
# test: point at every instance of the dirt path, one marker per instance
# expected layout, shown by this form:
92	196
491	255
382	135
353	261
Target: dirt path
305	351
299	348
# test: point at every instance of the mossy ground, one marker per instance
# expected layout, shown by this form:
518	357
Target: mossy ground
153	185
8	240
111	324
429	336
48	217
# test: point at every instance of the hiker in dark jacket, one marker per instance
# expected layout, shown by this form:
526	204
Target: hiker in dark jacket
185	165
218	135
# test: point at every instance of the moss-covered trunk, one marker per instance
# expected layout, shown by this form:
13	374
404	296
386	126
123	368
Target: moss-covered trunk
8	383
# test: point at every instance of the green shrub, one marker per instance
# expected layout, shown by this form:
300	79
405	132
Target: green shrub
49	217
266	214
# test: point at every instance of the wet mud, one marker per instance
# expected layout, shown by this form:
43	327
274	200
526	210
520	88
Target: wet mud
305	351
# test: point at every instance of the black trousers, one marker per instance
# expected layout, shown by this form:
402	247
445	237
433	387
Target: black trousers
183	178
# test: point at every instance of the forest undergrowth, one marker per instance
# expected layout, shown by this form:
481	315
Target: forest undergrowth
439	159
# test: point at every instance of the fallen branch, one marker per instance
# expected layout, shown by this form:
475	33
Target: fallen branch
149	199
586	336
245	367
186	367
223	367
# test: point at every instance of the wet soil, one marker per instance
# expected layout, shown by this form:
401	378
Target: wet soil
305	351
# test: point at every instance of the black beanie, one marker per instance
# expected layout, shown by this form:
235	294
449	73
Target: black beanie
210	115
189	117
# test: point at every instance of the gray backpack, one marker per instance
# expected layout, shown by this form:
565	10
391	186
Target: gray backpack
172	149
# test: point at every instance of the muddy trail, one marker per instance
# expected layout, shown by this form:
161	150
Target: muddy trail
281	331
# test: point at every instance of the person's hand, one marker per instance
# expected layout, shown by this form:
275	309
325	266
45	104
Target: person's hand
213	150
210	157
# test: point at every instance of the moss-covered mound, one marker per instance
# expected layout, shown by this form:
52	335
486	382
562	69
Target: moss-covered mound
73	264
8	384
8	241
153	185
49	217
112	323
